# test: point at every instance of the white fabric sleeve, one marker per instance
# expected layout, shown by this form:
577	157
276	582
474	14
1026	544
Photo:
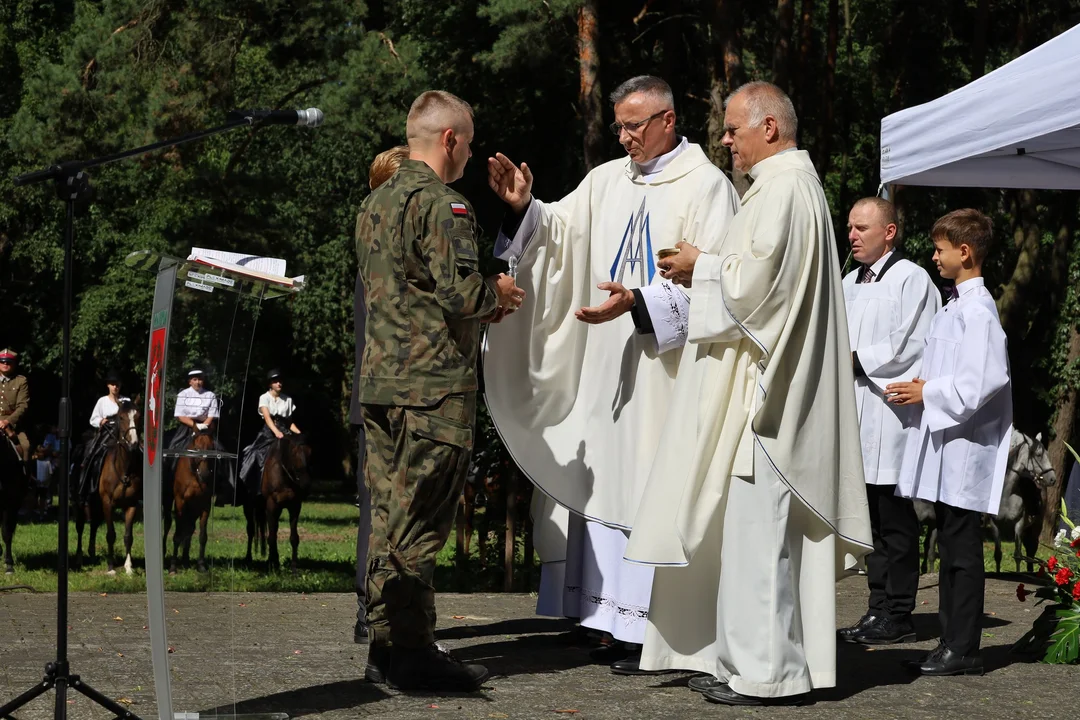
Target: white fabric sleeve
899	355
980	371
506	247
181	409
213	408
750	291
668	308
264	402
98	415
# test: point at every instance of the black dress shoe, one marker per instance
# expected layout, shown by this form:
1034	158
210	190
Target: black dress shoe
724	695
702	683
848	634
612	652
887	631
948	662
913	665
432	668
360	633
631	666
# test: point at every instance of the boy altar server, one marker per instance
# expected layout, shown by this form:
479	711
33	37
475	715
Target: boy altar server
890	302
956	458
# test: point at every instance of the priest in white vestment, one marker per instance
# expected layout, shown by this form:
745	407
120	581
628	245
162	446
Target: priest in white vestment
891	302
578	382
756	500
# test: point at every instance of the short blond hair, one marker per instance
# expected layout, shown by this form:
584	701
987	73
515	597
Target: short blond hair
433	112
386	164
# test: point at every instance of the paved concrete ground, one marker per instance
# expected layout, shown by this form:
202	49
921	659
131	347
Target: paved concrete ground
294	654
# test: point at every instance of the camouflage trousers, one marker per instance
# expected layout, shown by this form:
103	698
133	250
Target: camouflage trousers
415	467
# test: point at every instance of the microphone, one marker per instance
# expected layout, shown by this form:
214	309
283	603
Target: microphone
312	117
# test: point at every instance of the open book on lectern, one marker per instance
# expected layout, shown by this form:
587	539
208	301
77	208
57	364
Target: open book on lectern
210	270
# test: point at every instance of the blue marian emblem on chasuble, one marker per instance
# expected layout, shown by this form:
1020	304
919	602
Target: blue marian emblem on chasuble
635	251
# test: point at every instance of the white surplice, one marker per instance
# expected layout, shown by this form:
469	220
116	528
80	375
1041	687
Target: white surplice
888	321
756	498
959	451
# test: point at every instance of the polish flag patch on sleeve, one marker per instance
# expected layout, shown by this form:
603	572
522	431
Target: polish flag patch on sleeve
459	208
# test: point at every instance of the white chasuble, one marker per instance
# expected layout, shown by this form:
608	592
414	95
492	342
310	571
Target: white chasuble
581	407
764	400
959	450
888	321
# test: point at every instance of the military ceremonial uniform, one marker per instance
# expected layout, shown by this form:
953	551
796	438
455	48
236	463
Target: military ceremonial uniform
14	400
416	246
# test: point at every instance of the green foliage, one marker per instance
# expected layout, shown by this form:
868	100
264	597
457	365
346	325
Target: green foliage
80	78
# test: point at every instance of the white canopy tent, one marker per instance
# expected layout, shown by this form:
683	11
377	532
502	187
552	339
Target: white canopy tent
1017	127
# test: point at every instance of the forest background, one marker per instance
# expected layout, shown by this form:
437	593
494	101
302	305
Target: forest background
81	78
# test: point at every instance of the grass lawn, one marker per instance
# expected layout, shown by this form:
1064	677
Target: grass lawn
327	558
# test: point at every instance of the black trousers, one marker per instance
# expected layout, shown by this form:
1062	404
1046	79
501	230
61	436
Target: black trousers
363	530
962	580
892	570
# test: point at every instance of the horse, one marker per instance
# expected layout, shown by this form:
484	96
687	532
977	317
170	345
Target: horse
192	497
13	484
119	486
1028	471
120	483
285	484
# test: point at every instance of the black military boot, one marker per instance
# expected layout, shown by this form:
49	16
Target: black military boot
378	662
432	668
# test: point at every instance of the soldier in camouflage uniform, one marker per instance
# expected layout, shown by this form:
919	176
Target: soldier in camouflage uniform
14	401
416	246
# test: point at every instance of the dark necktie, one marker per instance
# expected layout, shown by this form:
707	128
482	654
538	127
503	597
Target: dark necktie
865	275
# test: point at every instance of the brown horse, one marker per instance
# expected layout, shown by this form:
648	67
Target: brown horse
13	484
285	484
192	496
120	483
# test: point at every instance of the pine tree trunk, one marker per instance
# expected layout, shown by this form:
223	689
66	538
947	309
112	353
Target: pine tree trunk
785	17
726	74
589	96
802	70
978	43
828	96
1064	431
1026	236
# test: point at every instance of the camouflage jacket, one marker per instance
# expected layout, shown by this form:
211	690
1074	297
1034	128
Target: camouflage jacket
416	246
14	399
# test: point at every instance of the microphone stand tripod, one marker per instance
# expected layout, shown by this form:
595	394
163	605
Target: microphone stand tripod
73	185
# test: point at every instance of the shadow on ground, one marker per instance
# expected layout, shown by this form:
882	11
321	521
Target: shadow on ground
314	700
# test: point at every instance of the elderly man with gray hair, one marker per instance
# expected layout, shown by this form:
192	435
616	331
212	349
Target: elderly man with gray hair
578	381
756	498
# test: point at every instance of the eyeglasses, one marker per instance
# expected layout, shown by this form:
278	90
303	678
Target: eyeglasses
633	127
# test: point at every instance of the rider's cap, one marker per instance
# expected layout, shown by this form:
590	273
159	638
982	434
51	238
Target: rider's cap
273	375
195	372
113	378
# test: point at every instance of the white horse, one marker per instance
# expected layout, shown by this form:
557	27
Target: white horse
1029	471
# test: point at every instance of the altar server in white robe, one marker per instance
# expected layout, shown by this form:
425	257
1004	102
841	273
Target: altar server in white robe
756	499
957	455
891	302
578	381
